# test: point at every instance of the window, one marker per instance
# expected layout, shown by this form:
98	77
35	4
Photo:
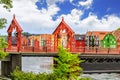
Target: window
106	37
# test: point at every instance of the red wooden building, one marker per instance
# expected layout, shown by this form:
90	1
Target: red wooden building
63	35
14	26
79	41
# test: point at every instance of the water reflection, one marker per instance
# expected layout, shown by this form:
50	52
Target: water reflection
37	64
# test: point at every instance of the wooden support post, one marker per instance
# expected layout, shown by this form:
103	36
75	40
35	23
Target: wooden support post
8	66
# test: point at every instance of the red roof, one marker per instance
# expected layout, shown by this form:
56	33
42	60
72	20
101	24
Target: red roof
101	34
116	33
63	23
14	25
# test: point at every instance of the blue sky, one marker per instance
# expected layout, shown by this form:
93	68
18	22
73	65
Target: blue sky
98	7
43	16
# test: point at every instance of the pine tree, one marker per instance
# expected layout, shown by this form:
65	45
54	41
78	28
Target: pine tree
68	65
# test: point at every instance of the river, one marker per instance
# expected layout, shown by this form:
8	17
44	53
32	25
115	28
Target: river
43	64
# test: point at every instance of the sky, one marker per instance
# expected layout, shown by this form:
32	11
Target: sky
43	16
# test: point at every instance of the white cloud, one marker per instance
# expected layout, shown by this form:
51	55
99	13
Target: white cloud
91	23
29	17
106	23
86	3
40	21
73	17
51	2
71	1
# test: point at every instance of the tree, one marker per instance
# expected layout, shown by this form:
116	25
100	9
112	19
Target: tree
3	45
118	28
67	65
26	34
7	4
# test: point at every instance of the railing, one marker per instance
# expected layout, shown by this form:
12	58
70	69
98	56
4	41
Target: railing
86	50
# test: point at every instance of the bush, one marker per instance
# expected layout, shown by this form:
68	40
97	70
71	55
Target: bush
67	65
20	75
3	45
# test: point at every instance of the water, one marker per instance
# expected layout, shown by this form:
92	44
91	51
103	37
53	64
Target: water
37	64
103	76
43	64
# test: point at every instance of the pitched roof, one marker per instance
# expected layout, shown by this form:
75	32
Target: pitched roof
101	34
116	33
14	24
65	25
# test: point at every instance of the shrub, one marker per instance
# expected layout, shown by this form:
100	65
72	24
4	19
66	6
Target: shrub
67	65
20	75
3	45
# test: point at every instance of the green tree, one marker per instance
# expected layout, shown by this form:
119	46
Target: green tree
26	34
7	4
67	65
118	28
3	45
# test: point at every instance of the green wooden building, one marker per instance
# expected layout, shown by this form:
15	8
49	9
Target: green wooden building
109	41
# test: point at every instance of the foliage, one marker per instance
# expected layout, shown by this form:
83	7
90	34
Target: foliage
3	21
118	28
68	65
20	75
3	45
26	34
7	4
87	78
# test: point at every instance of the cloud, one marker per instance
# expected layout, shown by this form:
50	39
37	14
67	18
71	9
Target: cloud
107	23
40	21
51	2
73	17
86	3
91	23
29	17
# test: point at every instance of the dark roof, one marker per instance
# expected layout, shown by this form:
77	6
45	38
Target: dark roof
79	37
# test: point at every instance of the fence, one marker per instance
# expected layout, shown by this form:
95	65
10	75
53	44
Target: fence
85	50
